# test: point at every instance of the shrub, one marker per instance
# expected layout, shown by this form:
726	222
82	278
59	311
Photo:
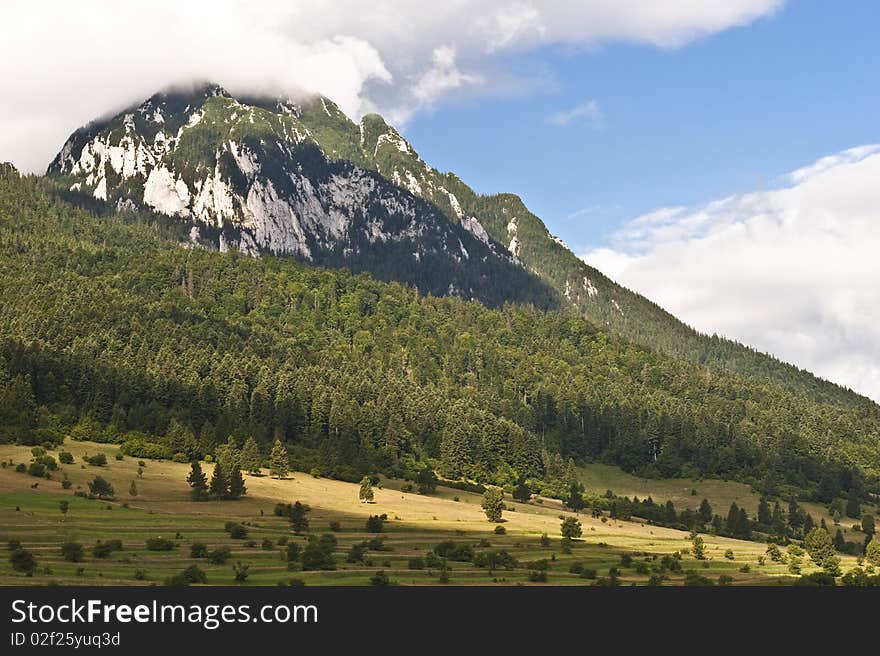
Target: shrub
729	554
104	549
335	527
159	544
198	550
236	531
500	530
416	563
293	552
192	574
219	556
101	488
356	553
318	555
493	560
23	561
72	552
452	551
539	576
380	578
375	523
267	544
97	460
65	458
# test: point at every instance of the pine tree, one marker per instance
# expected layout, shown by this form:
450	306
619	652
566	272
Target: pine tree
197	481
872	551
493	504
250	456
279	461
219	487
237	487
765	515
366	491
705	512
299	522
132	489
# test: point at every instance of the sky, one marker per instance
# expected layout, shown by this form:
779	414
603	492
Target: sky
715	155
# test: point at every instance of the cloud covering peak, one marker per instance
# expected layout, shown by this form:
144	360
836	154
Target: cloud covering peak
62	64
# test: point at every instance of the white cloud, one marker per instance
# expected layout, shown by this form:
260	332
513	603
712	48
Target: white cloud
63	63
792	271
588	112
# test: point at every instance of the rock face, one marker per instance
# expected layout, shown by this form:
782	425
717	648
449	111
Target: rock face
252	175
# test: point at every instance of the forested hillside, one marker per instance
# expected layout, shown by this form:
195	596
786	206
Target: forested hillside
117	328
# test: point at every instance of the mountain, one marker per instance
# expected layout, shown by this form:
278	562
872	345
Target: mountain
254	180
275	176
111	331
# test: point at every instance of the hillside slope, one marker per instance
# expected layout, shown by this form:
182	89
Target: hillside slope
110	330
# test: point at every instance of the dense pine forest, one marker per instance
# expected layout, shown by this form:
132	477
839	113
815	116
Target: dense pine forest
113	328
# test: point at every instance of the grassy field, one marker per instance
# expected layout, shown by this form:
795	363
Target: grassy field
688	493
416	523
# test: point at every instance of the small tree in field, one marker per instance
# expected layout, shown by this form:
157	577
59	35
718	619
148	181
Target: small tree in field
872	551
219	485
250	456
279	461
132	489
101	488
819	545
493	504
64	506
698	547
297	516
366	491
198	482
570	528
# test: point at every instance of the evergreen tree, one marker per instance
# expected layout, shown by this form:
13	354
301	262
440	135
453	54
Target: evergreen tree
821	550
733	519
299	522
839	541
237	487
765	515
570	528
219	487
279	461
493	504
132	489
705	512
575	500
197	481
872	551
250	456
522	492
853	506
868	526
366	491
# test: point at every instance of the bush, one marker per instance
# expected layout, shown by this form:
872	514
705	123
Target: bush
97	460
72	552
267	544
493	560
375	523
23	561
159	544
101	488
380	578
140	448
198	550
293	552
37	469
356	553
815	579
219	556
318	555
104	549
192	574
416	563
336	527
65	458
236	531
539	576
500	530
452	551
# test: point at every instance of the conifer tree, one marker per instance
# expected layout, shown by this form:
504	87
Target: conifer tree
366	491
279	461
197	481
250	456
237	487
219	487
705	512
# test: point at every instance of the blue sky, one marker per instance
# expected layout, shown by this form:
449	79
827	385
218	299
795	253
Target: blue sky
728	113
